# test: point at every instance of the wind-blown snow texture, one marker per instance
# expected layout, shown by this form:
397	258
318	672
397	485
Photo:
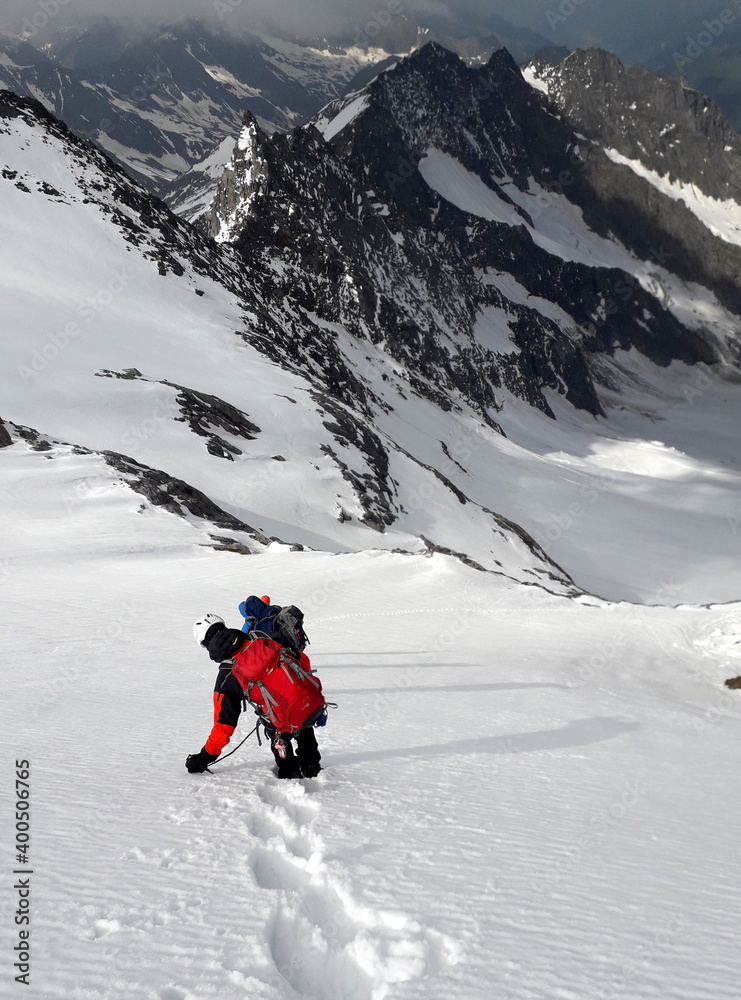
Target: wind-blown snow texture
426	406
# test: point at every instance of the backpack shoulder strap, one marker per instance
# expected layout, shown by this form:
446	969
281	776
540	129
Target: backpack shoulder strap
291	663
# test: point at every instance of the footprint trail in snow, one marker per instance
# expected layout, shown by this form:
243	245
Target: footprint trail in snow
324	942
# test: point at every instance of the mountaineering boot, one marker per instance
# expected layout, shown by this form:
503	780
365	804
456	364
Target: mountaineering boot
294	772
308	754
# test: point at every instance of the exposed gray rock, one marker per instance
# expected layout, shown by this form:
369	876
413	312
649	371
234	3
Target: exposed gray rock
202	412
224	544
36	441
174	495
465	559
358	276
129	374
244	181
659	121
365	243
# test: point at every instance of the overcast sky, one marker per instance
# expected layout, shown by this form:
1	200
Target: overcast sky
616	24
306	15
312	16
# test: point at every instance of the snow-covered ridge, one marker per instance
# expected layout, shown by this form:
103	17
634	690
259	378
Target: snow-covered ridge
330	125
372	430
558	226
468	193
674	141
659	121
722	218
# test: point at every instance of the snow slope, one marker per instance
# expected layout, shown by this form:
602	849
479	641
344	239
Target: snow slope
74	321
558	226
542	804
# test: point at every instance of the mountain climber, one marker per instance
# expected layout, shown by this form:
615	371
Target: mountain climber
241	656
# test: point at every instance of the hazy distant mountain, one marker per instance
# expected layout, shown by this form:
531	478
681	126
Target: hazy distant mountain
160	104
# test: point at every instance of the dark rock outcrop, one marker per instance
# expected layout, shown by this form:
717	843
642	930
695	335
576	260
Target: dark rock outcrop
202	411
366	244
174	495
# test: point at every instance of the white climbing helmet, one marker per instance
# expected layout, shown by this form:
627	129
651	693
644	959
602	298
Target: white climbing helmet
202	626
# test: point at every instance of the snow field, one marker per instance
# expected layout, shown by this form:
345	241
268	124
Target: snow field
667	442
158	325
523	795
722	218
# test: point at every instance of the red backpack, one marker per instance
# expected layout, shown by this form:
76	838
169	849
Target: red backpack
280	684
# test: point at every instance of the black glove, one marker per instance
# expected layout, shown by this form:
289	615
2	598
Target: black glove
198	762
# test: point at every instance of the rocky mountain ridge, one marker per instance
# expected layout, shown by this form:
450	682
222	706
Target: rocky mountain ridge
669	127
212	449
365	240
642	127
161	100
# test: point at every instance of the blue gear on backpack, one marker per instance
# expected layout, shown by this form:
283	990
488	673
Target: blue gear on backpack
284	624
258	615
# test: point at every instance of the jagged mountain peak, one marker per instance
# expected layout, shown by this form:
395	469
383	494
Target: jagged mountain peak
351	361
442	69
395	276
392	211
432	98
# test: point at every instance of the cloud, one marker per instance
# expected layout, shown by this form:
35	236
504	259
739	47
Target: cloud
51	17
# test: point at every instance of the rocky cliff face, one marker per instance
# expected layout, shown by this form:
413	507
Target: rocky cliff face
356	217
661	122
274	424
673	135
245	179
382	289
